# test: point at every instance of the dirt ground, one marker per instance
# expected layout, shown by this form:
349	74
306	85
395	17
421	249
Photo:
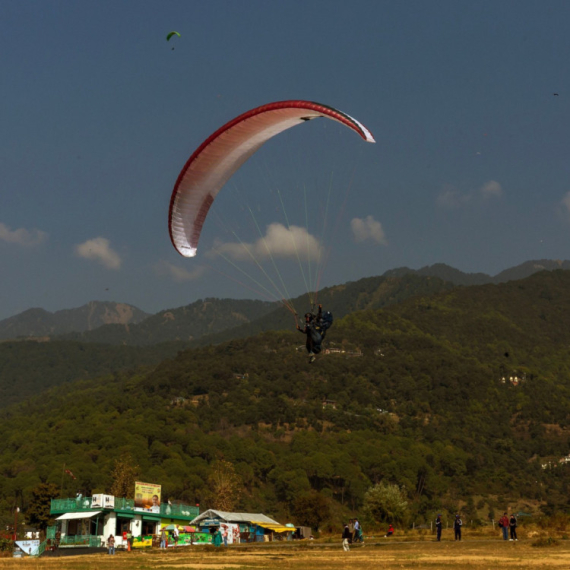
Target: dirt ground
479	554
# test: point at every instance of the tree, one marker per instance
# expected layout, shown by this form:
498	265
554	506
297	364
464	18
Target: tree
124	475
311	509
385	503
225	486
38	511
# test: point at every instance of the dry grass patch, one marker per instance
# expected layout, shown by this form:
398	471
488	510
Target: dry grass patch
476	554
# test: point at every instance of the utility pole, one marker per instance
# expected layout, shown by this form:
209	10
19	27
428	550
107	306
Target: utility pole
16	523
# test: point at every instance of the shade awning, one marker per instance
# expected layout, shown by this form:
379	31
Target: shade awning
273	527
68	516
152	518
125	515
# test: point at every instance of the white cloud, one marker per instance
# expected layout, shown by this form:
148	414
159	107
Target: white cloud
278	242
100	250
22	236
491	189
452	198
368	229
566	202
179	274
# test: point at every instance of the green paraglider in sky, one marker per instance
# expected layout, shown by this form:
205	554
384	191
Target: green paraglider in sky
172	34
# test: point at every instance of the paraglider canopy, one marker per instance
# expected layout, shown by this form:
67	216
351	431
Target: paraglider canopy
172	34
225	151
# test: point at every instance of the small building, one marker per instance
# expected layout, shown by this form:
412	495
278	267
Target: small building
353	353
87	522
243	527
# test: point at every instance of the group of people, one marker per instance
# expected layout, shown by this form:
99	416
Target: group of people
507	524
165	536
352	533
220	536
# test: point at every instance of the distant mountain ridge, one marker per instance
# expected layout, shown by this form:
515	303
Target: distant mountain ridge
457	277
41	323
214	320
203	317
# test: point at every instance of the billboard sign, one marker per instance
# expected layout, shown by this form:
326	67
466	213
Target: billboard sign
147	497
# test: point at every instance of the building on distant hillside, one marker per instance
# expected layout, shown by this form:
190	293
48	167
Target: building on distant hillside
329	404
353	353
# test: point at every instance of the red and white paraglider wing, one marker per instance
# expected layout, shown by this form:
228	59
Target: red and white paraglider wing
221	154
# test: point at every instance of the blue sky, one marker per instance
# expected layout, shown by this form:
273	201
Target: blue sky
470	168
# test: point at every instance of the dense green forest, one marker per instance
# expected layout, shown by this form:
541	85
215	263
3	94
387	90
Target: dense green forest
28	368
419	394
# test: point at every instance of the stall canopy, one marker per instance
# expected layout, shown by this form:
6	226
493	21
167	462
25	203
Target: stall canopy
273	527
225	516
68	516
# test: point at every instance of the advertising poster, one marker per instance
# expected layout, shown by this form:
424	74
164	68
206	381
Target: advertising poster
147	497
30	547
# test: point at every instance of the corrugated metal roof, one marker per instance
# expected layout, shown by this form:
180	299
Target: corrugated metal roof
234	517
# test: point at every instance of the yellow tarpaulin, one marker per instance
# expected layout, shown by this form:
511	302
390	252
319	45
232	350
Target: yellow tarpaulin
273	527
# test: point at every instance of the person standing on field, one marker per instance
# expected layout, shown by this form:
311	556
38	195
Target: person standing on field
438	526
513	527
346	536
457	527
111	544
504	526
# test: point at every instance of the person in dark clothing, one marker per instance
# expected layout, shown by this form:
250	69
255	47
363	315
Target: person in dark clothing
457	527
438	527
513	527
504	526
346	538
312	330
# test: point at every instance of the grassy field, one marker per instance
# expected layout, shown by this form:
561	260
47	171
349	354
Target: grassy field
478	553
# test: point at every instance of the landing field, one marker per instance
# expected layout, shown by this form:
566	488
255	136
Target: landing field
476	554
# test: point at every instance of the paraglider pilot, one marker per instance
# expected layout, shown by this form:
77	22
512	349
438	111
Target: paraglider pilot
315	329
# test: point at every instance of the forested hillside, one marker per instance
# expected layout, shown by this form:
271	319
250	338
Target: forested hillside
341	300
28	368
458	397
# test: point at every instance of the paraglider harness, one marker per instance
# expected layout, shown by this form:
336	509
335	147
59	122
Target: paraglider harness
316	327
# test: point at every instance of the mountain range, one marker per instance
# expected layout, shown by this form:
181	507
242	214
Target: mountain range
211	320
41	323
